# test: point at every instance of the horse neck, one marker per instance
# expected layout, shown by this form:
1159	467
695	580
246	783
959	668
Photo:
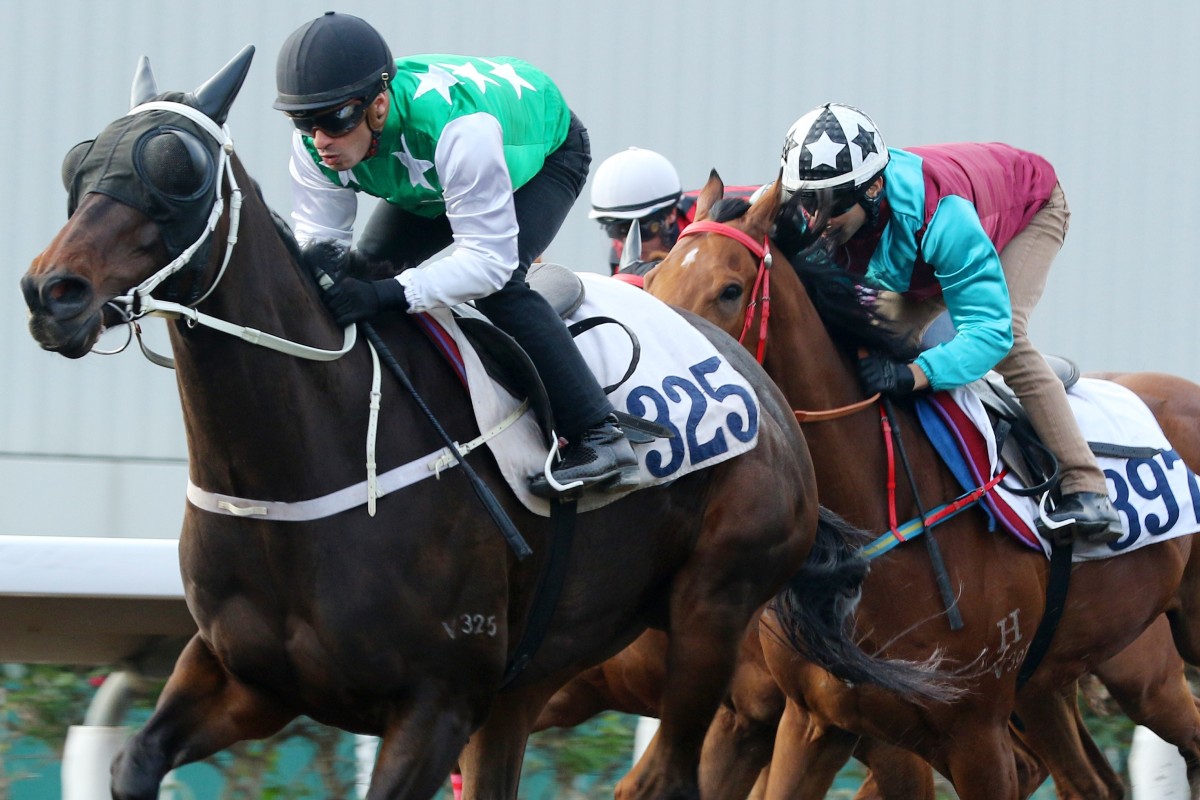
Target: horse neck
246	405
815	374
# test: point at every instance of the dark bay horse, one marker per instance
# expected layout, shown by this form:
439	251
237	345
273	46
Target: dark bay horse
815	328
399	624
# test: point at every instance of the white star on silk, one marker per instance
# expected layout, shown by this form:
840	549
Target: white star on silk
508	73
416	167
436	80
825	151
469	72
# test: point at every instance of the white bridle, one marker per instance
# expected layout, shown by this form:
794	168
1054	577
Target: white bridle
139	302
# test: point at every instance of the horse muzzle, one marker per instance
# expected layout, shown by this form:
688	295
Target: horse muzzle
64	315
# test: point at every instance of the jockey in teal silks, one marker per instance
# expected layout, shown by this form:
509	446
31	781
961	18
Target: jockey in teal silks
970	229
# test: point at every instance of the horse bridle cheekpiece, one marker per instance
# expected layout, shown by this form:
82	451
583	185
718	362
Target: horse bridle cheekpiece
760	296
165	158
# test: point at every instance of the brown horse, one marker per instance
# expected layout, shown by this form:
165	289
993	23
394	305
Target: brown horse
816	326
402	624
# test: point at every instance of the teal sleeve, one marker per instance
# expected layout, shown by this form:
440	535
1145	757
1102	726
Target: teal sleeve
967	267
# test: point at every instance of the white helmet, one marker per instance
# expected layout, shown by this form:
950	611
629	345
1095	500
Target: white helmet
833	146
633	184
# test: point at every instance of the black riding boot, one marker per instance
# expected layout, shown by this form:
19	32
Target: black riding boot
599	457
1095	519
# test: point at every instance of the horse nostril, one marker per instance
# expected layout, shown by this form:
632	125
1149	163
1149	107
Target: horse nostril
65	296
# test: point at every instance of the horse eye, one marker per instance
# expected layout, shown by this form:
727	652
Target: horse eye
175	163
732	292
72	161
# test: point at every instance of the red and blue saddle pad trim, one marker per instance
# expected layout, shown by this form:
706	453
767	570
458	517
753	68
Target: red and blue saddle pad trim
444	342
964	450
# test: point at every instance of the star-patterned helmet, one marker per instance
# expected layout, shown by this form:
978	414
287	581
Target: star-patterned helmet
834	146
633	184
329	61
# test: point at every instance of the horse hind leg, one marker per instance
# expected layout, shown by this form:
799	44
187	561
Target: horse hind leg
202	710
1054	730
1148	681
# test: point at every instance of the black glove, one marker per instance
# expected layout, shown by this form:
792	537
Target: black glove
351	299
885	375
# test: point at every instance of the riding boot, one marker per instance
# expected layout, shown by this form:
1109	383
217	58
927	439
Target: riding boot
599	457
1094	518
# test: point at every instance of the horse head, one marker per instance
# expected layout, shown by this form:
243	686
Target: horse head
143	197
722	289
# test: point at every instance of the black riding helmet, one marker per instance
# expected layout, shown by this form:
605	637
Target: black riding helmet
329	61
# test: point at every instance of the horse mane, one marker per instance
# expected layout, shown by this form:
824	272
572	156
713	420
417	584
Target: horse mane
846	306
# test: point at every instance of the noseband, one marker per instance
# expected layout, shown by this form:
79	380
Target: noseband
760	296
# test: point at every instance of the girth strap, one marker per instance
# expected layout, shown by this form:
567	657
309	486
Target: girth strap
550	583
1056	602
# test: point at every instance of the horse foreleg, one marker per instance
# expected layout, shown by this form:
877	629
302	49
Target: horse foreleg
742	734
420	746
491	761
807	756
1054	730
735	751
202	709
896	774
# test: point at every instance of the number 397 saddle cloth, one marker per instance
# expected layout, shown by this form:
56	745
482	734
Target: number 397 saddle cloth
1154	492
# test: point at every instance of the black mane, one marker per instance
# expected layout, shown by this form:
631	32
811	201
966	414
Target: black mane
844	304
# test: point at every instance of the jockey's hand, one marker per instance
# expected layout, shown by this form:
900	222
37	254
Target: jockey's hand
792	231
886	376
351	299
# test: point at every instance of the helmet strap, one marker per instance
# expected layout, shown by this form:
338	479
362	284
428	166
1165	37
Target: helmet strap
375	134
870	204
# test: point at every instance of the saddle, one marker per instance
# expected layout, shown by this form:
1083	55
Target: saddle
1018	444
508	364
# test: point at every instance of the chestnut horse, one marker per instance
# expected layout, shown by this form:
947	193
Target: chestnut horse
401	624
816	326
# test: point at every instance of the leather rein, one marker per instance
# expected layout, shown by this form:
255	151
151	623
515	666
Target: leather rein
760	299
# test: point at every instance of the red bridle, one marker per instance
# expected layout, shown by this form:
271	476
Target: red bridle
762	290
761	294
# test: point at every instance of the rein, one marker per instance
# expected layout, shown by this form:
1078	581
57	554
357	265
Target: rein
761	296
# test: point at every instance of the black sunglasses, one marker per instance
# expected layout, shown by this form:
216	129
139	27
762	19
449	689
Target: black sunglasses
839	204
619	228
335	123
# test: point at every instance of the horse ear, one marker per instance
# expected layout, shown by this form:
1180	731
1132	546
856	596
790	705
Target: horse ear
762	213
144	87
713	191
216	95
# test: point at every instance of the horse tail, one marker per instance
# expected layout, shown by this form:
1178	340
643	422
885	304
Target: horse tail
816	612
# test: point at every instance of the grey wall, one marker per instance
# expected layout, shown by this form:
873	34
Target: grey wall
1106	90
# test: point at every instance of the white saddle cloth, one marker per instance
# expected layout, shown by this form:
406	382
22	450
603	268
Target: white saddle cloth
681	381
